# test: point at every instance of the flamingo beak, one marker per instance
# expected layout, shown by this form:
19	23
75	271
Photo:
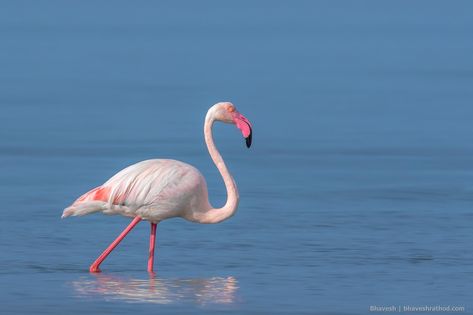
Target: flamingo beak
244	125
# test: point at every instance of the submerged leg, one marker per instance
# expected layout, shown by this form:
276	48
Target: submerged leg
95	266
152	241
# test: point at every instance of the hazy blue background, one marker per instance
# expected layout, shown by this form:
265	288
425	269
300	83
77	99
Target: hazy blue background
358	189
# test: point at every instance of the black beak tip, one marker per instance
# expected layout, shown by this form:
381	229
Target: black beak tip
248	140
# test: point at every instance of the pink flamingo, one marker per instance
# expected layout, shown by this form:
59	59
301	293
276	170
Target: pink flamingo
159	189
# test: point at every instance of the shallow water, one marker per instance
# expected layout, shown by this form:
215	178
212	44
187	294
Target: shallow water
358	190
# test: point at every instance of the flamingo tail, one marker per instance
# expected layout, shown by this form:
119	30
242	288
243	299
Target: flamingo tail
90	202
83	208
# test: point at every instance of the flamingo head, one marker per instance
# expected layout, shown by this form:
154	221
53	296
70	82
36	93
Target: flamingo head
226	112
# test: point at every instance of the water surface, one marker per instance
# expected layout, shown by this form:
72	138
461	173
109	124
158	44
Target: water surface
358	189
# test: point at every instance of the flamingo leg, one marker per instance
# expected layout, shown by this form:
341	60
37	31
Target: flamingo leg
152	242
95	266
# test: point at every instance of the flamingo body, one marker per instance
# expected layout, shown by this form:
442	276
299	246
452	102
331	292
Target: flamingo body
154	190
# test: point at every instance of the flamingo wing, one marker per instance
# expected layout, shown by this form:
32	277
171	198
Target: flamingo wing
139	186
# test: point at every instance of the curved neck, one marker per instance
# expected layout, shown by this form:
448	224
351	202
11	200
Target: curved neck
215	215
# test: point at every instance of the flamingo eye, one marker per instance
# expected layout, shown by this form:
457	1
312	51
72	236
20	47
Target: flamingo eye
231	108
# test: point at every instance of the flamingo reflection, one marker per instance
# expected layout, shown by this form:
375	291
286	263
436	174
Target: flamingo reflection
216	290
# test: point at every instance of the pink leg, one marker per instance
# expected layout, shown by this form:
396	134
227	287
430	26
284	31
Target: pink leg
152	241
95	266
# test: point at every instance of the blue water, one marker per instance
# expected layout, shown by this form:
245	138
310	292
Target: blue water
357	191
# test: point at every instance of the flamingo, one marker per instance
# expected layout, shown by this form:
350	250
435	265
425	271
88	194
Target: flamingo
159	189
